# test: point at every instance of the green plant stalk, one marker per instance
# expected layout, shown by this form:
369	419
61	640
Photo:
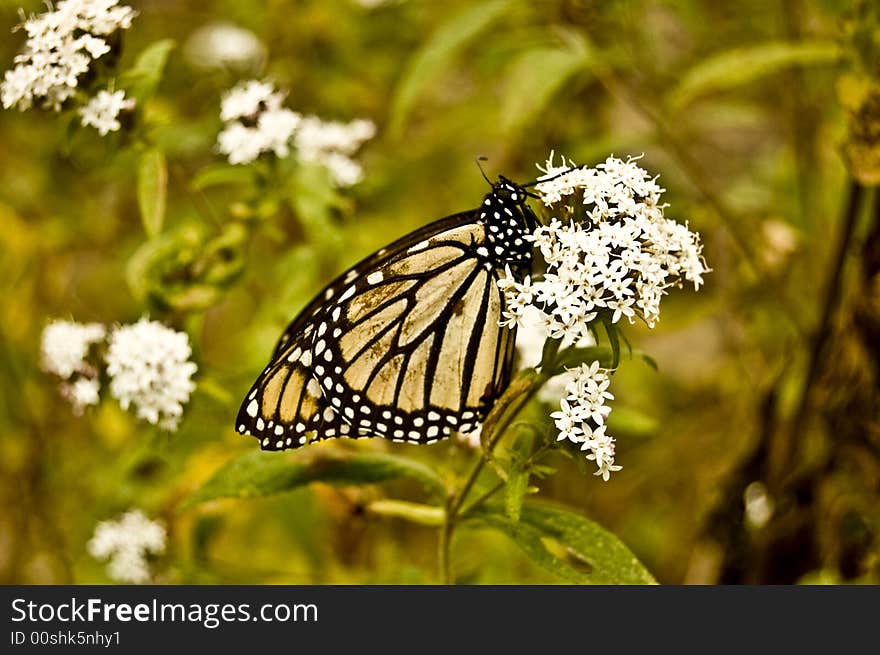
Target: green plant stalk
413	512
517	394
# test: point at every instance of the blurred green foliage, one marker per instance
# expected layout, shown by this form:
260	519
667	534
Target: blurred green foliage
735	105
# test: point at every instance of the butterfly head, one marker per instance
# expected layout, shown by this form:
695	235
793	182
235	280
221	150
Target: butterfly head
508	220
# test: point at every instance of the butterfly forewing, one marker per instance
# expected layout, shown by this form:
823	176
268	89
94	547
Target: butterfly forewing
405	345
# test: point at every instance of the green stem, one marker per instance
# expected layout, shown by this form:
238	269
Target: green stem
518	393
413	512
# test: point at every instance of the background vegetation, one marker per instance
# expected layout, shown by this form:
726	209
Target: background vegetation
762	119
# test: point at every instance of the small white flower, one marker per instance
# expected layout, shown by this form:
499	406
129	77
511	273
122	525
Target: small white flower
248	99
149	368
343	169
221	45
126	543
471	438
65	345
275	127
241	144
758	504
102	111
83	392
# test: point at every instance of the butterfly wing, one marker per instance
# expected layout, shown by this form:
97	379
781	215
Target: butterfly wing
405	345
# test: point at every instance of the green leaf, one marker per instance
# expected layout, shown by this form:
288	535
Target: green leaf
569	545
739	66
572	357
219	174
613	340
314	199
152	186
142	79
438	51
534	78
261	473
517	475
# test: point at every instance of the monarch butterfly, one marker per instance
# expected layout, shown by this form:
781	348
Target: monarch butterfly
406	344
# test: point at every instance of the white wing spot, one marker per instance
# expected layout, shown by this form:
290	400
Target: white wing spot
375	278
253	408
313	388
260	424
348	294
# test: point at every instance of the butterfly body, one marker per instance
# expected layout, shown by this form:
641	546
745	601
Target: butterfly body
406	344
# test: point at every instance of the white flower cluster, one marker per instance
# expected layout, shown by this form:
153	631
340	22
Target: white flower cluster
60	48
65	352
256	123
582	414
102	111
147	363
126	543
613	251
149	368
332	145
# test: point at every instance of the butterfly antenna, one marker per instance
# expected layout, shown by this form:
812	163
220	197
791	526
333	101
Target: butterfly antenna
480	159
